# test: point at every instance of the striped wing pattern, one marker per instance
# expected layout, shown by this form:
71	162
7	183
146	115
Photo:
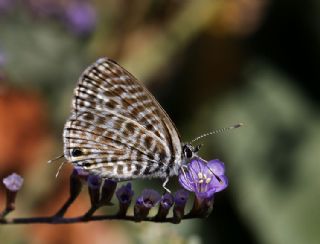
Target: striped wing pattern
118	128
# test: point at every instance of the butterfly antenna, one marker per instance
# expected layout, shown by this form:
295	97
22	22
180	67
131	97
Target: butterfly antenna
218	131
59	169
55	159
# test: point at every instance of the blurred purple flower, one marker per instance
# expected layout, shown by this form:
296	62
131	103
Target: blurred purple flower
5	5
13	182
81	17
204	179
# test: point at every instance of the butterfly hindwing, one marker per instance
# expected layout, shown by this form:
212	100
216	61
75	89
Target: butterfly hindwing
119	127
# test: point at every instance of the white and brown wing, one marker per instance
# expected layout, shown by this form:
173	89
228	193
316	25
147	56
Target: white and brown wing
117	128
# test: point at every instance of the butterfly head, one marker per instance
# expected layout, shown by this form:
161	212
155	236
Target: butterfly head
190	151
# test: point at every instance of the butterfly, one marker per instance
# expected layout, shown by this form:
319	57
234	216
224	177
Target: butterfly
118	130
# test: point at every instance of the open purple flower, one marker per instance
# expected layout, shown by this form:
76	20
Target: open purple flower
13	182
148	199
204	179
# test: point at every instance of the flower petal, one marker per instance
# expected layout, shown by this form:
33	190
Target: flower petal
186	181
217	166
219	186
13	182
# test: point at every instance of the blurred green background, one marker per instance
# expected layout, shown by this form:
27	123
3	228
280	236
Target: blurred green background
210	64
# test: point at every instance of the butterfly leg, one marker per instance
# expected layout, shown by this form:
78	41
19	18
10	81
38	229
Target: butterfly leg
165	183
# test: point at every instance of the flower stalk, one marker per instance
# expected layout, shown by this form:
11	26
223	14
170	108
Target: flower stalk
203	178
75	185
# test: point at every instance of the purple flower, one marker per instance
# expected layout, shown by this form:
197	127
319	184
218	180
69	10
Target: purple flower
165	204
148	199
13	182
108	188
204	179
125	193
166	201
5	5
94	183
180	200
81	17
181	197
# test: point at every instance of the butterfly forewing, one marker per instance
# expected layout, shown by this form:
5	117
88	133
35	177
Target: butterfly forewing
118	127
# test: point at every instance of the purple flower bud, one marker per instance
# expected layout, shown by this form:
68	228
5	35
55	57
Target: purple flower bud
167	201
81	17
204	179
148	199
94	183
180	200
124	195
13	182
108	188
181	197
165	204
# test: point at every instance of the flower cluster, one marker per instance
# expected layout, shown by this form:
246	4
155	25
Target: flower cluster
201	177
204	178
79	16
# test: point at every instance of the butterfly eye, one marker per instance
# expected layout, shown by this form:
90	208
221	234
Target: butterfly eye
187	152
76	152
